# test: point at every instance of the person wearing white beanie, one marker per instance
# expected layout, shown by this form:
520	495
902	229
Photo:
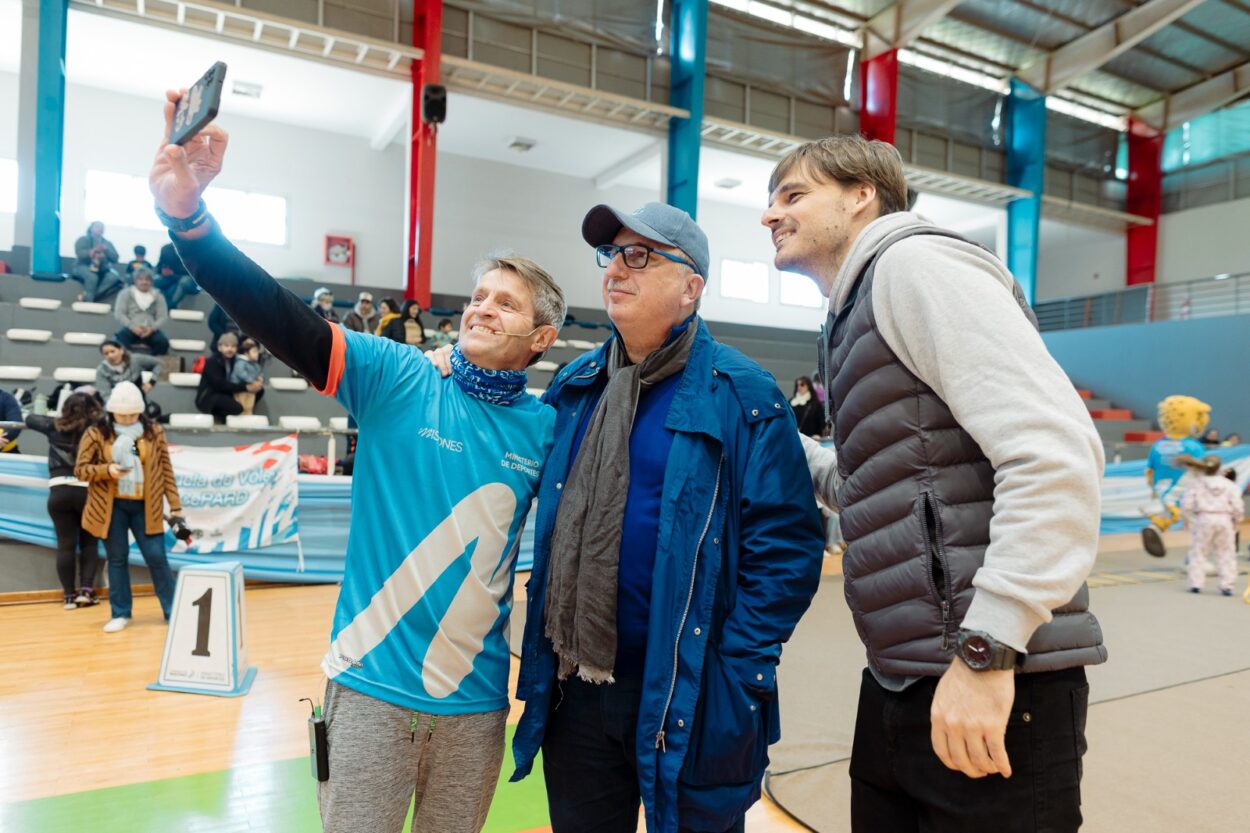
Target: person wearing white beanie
125	462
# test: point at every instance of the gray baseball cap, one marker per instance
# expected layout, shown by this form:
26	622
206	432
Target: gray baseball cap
654	221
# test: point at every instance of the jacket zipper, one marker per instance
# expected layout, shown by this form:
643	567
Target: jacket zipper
685	614
933	537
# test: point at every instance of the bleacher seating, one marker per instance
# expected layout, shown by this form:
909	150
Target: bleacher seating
188	345
40	303
299	423
19	372
248	421
196	420
89	339
27	334
185	380
187	314
77	375
92	308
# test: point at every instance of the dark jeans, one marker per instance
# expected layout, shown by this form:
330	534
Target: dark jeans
129	516
175	288
589	760
100	285
222	405
157	342
899	784
77	550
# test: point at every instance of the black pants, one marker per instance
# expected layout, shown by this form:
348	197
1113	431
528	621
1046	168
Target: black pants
589	758
222	405
77	551
898	784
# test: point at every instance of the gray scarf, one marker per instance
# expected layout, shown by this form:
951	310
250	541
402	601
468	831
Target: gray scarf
586	543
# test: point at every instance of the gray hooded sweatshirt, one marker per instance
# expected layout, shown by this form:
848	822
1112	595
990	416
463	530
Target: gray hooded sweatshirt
945	308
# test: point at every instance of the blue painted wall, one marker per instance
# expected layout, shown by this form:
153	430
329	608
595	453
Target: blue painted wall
1136	365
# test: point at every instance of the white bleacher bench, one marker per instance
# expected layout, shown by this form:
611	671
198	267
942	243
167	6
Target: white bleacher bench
92	307
187	345
184	380
287	383
536	392
581	344
190	420
79	375
559	343
23	334
545	366
253	421
299	423
86	339
20	372
40	303
186	314
338	423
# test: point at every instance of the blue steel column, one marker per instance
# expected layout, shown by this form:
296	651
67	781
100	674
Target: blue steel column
1026	168
50	136
689	53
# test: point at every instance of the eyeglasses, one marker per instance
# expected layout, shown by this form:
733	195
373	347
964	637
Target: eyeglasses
635	255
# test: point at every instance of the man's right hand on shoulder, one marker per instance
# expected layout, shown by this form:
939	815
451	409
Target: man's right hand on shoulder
180	174
441	359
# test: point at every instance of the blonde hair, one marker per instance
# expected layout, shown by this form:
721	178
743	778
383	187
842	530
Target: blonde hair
850	160
549	306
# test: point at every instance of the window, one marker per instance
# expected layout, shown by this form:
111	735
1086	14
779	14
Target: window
8	186
800	291
745	280
124	200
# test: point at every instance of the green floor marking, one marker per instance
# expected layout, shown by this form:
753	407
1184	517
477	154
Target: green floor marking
277	797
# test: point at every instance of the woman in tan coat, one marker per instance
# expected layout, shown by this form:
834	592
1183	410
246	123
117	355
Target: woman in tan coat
125	463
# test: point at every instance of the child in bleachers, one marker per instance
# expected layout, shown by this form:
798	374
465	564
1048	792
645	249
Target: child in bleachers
140	259
442	336
1212	509
247	367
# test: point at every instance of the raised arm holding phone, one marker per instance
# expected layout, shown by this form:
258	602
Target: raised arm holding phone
445	473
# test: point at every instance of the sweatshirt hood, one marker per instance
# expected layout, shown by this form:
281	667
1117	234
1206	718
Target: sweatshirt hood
864	247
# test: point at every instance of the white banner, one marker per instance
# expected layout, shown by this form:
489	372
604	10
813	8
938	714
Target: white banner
238	498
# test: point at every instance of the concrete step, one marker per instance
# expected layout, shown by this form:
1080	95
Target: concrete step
1113	430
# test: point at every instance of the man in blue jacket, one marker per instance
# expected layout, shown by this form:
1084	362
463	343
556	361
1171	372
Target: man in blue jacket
675	551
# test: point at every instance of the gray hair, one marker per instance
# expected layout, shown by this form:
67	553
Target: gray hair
549	306
140	270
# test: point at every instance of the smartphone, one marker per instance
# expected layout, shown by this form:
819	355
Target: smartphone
199	106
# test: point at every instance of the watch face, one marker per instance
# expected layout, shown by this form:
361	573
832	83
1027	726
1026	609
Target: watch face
976	652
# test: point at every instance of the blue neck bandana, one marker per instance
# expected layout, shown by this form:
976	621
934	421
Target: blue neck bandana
498	387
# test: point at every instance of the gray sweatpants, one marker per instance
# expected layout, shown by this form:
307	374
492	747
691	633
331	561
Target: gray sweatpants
380	754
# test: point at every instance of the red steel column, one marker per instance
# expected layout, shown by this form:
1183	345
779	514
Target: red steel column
1145	197
427	34
878	96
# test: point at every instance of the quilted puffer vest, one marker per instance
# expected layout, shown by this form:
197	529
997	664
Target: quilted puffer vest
917	499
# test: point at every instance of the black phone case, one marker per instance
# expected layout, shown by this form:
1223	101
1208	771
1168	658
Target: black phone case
209	87
318	752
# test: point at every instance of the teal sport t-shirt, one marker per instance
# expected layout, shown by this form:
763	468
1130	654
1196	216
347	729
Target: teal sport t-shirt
443	482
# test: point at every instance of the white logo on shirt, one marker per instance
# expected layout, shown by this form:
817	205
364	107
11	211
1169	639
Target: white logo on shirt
432	434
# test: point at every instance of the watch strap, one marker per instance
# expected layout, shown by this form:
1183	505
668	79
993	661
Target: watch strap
198	218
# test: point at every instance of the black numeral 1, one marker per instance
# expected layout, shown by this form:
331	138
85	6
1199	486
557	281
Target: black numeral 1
205	604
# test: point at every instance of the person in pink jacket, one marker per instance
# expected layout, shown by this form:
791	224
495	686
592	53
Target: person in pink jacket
1212	509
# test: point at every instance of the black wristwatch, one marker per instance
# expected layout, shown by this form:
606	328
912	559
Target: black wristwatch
982	652
198	218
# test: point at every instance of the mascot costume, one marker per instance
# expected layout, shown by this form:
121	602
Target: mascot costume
1182	419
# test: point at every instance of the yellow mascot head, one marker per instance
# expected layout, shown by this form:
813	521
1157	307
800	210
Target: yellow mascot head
1183	416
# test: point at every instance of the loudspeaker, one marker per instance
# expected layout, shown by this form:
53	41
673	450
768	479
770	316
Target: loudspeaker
434	104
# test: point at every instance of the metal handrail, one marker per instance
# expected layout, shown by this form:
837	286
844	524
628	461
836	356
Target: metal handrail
1218	295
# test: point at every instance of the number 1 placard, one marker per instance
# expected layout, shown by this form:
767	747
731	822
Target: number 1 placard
205	651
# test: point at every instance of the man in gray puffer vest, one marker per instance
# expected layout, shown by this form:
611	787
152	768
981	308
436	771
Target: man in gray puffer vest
967	474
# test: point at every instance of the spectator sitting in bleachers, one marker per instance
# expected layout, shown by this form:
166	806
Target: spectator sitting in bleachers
10	411
363	318
442	337
142	312
323	305
414	327
809	413
218	323
246	369
172	278
96	269
120	365
391	324
140	259
216	392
